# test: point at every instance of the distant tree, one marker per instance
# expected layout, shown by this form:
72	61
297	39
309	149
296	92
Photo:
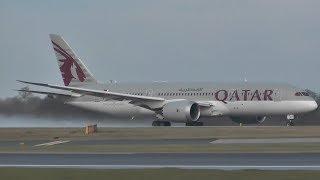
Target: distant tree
24	95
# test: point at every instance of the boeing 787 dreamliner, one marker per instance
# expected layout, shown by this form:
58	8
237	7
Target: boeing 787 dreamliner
170	102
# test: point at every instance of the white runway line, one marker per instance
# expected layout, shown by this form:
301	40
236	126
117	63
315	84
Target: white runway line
52	143
266	141
217	167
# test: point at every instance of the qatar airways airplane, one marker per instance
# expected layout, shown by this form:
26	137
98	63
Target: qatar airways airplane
173	102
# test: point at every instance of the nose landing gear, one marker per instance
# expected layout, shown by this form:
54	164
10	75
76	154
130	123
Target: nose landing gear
290	118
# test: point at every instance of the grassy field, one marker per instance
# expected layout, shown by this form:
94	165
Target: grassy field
167	148
152	174
221	148
160	133
73	134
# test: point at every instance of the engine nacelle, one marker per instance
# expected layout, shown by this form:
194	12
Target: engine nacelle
181	111
248	119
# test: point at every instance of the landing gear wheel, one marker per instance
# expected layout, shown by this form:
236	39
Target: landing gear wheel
290	123
290	118
194	123
161	123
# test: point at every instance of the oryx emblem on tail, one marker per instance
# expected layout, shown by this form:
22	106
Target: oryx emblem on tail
73	71
69	66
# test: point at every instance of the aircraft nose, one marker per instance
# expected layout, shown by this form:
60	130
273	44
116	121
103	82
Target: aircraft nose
312	105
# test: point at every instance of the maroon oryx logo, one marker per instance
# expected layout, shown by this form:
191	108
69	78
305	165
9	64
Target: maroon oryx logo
67	68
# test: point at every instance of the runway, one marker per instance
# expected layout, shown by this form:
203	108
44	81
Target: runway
266	141
15	143
270	161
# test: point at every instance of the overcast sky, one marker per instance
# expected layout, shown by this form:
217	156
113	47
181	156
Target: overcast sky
173	40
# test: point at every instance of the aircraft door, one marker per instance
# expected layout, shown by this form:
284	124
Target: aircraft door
277	95
149	92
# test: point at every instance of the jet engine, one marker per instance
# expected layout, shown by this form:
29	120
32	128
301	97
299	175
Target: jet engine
248	119
181	111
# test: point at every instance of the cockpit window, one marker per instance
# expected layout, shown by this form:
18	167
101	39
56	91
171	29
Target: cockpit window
301	94
298	94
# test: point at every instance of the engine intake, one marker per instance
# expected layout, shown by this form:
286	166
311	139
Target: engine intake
181	111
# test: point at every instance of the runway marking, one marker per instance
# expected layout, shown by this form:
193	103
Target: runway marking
306	167
266	141
52	143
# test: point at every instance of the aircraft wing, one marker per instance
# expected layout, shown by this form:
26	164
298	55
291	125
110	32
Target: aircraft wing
143	101
148	102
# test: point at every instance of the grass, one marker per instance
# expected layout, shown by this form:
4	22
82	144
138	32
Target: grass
170	148
151	174
160	133
48	134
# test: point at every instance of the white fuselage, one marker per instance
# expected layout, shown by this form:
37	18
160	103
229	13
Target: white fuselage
125	109
227	99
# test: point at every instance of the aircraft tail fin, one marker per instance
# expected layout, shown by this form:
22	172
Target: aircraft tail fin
74	72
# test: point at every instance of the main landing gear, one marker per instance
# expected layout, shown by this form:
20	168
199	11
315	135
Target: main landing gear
161	123
194	123
290	118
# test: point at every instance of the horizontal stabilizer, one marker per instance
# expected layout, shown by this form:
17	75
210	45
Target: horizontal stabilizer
75	95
